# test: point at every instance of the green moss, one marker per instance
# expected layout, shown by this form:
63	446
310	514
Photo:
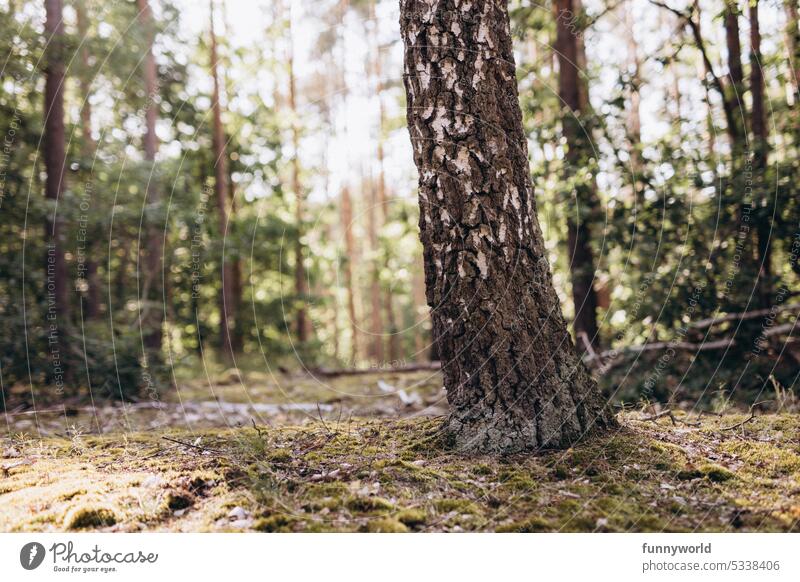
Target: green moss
280	456
716	473
531	525
368	504
457	505
412	517
85	517
561	472
385	525
630	480
275	523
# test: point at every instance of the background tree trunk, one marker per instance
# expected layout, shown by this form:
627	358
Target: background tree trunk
303	327
735	73
349	247
226	319
56	300
763	198
376	320
237	284
91	308
574	96
793	46
154	312
510	370
393	347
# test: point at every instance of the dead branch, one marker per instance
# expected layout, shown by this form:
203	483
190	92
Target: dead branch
756	313
421	367
738	424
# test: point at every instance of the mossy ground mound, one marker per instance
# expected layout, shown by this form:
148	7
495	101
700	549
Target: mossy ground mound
395	476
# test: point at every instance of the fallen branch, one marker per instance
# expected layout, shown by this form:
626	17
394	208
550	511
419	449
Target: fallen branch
610	355
756	313
424	366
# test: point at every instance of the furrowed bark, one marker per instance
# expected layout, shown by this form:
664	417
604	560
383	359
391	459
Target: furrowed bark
512	377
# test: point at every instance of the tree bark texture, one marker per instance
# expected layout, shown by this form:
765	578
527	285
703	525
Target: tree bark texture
512	376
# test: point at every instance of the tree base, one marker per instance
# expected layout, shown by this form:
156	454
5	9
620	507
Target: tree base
489	432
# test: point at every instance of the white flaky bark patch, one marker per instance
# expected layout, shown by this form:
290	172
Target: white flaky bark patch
483	265
440	123
462	161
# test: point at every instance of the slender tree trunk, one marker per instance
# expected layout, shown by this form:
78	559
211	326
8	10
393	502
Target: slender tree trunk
154	319
347	202
349	246
57	300
376	321
762	195
303	327
237	285
736	88
793	46
226	319
511	373
92	306
388	299
574	95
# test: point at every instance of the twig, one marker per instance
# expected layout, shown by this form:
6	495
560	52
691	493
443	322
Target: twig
749	418
738	424
661	414
322	420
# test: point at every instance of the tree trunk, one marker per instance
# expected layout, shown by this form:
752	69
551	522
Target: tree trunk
735	71
303	327
574	96
57	300
511	373
376	321
237	285
388	299
349	247
221	195
761	190
91	308
793	46
347	202
154	313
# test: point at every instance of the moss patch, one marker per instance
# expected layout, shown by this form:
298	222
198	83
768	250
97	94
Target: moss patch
86	517
392	476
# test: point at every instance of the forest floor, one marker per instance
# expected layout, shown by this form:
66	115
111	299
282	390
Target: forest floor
364	453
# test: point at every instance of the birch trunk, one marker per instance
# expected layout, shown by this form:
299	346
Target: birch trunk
513	379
